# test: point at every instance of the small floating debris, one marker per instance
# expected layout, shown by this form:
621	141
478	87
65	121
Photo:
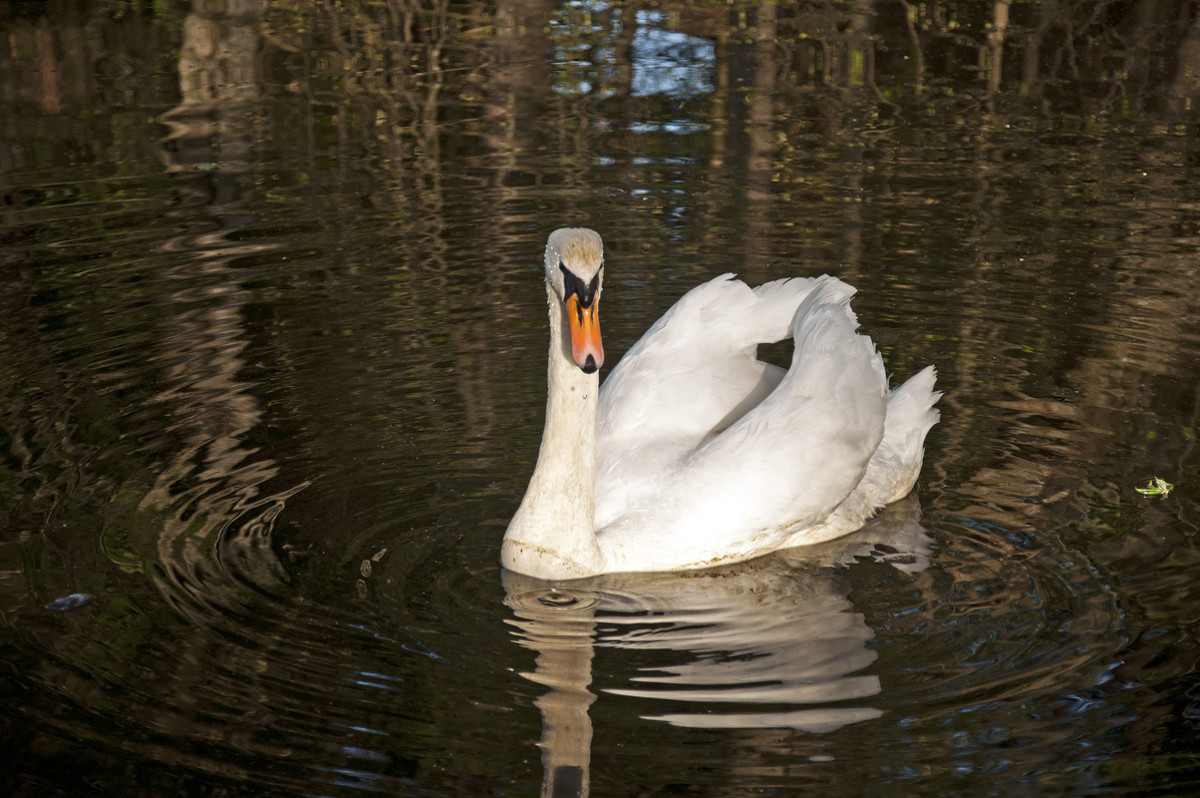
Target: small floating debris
1156	487
71	602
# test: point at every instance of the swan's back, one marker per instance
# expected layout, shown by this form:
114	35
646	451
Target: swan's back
690	376
707	455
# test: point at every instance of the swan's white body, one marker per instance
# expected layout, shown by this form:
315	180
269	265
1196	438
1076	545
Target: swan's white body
694	453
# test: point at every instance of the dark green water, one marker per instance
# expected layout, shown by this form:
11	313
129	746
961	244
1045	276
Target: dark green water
272	374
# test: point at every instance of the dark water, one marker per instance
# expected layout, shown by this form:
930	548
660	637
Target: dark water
272	359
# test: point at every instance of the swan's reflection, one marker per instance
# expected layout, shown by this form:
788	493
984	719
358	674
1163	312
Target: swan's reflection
775	639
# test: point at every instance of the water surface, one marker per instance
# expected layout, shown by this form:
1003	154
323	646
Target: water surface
272	374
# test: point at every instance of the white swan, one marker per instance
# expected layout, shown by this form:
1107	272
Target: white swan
694	453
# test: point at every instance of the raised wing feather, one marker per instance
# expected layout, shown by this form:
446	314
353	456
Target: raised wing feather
788	462
689	377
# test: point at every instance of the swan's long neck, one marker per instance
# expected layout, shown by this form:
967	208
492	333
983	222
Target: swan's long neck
552	535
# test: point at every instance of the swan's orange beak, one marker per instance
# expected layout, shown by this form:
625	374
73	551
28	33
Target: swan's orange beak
584	322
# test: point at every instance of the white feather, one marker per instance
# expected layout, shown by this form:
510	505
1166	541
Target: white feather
699	453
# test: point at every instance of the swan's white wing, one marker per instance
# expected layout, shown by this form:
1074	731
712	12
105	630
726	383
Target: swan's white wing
895	465
690	376
786	464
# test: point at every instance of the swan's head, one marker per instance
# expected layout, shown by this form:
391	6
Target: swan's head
574	269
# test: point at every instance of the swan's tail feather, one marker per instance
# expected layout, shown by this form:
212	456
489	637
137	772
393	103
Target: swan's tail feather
910	416
911	413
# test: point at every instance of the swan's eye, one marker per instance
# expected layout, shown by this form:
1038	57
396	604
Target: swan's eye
572	285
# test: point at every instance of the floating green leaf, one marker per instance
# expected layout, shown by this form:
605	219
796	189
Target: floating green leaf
1156	487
